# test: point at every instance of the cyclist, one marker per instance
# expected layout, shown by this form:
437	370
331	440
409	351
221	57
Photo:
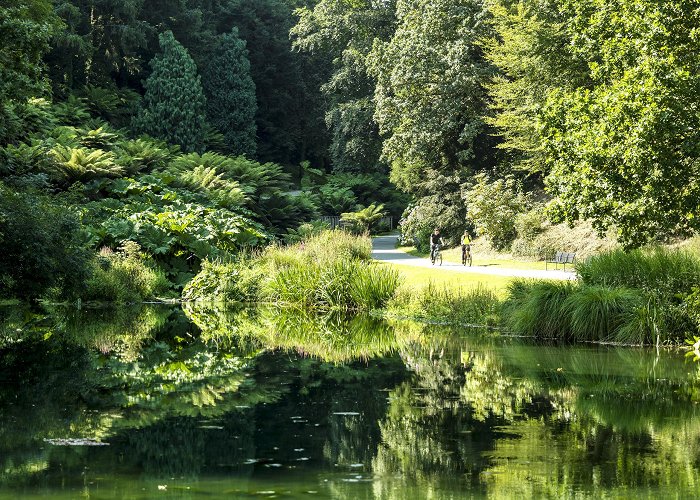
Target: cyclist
466	249
436	242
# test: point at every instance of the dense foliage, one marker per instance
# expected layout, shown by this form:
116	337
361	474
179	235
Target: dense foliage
329	270
230	94
174	103
589	108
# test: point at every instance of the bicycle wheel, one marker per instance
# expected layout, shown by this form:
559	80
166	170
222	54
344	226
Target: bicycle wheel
439	258
464	258
469	259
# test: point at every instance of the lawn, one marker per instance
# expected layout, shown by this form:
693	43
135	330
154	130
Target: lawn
419	277
454	255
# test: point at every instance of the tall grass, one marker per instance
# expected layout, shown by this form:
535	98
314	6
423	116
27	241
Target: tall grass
330	270
567	311
477	306
597	312
537	308
124	277
656	270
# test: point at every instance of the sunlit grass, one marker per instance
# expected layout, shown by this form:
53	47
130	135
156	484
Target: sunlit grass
420	277
454	255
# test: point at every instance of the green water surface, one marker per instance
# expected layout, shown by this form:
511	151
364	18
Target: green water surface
212	402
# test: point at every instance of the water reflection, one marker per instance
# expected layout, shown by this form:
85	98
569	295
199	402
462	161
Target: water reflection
240	402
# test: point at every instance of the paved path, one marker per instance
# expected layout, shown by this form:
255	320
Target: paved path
384	249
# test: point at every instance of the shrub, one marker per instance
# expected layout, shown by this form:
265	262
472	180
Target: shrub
581	238
42	247
365	219
530	224
598	312
305	231
335	200
327	271
419	220
536	308
215	281
493	208
124	276
79	164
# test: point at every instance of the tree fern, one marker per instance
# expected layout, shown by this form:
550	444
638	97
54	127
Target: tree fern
80	164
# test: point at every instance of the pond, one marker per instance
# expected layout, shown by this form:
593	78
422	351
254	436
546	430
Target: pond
212	402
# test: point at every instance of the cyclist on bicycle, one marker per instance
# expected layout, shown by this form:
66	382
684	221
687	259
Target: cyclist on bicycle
466	248
436	242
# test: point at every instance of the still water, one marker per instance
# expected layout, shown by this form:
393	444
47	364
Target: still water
209	402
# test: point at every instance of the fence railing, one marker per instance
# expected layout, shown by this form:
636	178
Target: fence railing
335	221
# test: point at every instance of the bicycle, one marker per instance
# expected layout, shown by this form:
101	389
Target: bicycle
436	255
466	255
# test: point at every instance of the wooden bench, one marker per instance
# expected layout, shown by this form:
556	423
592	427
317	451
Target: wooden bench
561	258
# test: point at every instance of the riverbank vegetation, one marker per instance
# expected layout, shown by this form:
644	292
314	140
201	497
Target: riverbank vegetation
331	270
130	162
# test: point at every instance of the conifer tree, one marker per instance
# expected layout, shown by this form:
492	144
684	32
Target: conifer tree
230	91
174	104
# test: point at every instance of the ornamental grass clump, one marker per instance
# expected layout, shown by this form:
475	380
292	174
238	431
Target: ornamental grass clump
477	306
655	270
331	270
596	313
536	308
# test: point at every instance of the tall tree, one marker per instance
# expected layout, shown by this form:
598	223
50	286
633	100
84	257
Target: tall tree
104	42
430	98
230	91
25	30
344	32
532	50
174	103
625	151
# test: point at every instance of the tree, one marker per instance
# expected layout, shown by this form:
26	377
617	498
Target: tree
625	150
343	32
230	91
174	104
25	30
429	96
532	51
493	207
42	247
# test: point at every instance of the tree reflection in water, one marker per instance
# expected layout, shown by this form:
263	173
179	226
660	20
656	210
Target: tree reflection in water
353	406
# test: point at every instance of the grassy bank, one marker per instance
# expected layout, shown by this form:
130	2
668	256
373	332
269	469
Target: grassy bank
639	297
332	270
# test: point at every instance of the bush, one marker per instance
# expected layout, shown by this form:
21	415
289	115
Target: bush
305	231
419	220
567	311
124	277
42	247
328	271
530	224
364	220
536	308
581	239
493	208
598	312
